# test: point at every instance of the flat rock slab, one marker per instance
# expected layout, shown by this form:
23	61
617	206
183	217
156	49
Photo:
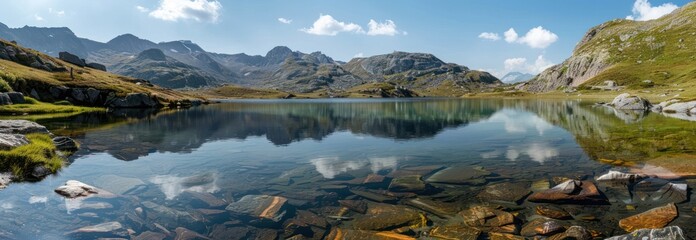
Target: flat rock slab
460	175
186	234
671	232
346	234
571	191
117	184
10	141
489	219
358	206
260	206
409	183
554	212
653	218
21	127
74	189
388	217
441	209
505	192
373	196
455	232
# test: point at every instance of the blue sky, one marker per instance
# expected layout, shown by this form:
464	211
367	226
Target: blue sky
450	29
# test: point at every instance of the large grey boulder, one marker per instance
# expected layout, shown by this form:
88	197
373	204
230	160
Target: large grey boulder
671	233
71	58
5	99
10	141
680	107
65	144
16	97
97	66
134	100
21	127
627	102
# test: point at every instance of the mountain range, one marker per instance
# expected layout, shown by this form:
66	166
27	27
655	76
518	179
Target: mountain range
184	64
516	77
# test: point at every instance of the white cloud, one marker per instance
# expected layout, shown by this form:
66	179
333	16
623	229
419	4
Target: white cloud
38	18
285	20
521	65
537	37
326	25
387	28
359	55
58	13
510	35
142	9
489	36
644	11
198	10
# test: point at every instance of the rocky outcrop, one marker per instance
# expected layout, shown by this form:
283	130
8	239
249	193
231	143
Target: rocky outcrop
10	141
71	58
96	66
571	73
21	127
627	102
11	98
133	100
13	53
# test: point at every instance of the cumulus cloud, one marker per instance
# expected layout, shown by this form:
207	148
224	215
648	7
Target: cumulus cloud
38	18
359	55
387	28
644	11
326	25
522	65
537	37
285	20
142	9
197	10
58	13
489	36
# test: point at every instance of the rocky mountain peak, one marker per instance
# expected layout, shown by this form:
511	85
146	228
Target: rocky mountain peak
153	54
129	43
278	54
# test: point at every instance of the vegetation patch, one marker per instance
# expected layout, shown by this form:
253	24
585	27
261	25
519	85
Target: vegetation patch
23	159
33	107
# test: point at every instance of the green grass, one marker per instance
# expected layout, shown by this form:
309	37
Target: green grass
33	107
23	159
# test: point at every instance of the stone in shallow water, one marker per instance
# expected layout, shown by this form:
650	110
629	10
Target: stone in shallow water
540	185
504	236
186	234
171	217
74	188
541	226
389	217
345	234
455	232
553	212
668	233
619	177
505	192
653	218
150	236
374	179
409	183
660	190
460	175
571	191
260	206
489	219
358	206
373	196
440	209
578	233
417	170
117	184
203	198
108	229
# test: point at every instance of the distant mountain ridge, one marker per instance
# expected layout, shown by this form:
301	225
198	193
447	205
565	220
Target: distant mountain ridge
516	77
281	68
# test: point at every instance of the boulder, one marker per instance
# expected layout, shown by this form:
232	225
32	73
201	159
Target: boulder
671	232
73	189
21	127
260	206
679	107
96	66
572	192
65	144
10	141
627	102
71	58
654	218
5	99
133	100
16	97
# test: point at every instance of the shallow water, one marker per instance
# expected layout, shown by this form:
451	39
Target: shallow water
295	149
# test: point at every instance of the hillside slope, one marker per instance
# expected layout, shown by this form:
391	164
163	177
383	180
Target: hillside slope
163	71
49	79
629	53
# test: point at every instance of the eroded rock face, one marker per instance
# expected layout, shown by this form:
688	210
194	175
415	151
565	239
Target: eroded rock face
671	232
260	206
571	191
653	218
21	127
627	102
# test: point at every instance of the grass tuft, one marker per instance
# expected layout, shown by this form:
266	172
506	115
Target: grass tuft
23	159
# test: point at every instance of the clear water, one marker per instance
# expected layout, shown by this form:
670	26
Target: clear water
253	147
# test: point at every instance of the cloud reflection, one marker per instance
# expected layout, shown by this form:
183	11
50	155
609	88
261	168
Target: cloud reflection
538	152
330	167
172	186
521	122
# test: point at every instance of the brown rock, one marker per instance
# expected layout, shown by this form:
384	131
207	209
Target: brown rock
186	234
409	183
653	218
571	191
553	212
388	217
441	209
541	226
358	206
505	192
345	234
311	219
489	219
504	236
261	206
455	232
578	233
460	175
150	236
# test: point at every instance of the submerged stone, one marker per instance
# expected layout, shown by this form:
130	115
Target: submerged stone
187	234
74	188
553	212
653	218
108	229
373	196
455	232
489	219
409	183
345	234
505	192
460	175
440	209
541	226
571	191
118	184
358	206
389	217
660	190
668	233
260	206
540	185
504	236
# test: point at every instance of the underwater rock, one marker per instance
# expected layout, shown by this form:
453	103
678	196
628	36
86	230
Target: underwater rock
460	175
541	226
505	192
74	188
504	236
389	217
455	232
311	219
260	206
571	191
577	233
150	236
373	196
409	183
653	218
553	212
616	176
108	229
440	209
375	179
170	217
344	234
540	185
671	233
489	219
660	190
203	198
358	206
416	170
186	234
117	184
